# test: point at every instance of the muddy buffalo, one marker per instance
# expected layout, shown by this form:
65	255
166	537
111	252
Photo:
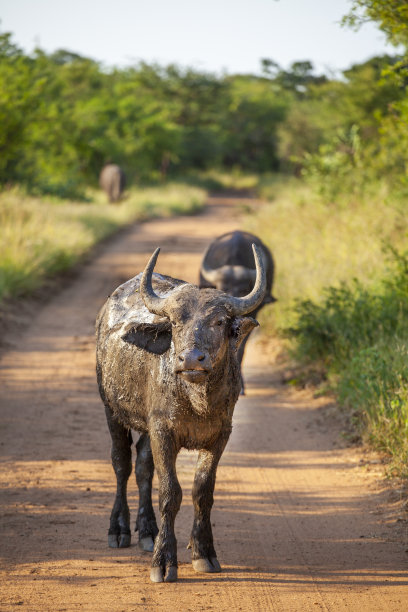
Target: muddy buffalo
113	181
229	265
167	367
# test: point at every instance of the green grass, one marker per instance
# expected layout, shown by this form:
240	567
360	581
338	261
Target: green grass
342	286
41	237
374	386
360	336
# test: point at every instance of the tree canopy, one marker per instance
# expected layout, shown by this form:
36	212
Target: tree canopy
390	15
63	116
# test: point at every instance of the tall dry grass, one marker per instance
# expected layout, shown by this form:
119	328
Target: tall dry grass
316	245
342	286
40	237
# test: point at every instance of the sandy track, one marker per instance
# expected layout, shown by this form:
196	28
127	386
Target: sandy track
300	521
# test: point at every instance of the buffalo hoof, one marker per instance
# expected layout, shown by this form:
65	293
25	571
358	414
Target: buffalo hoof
207	566
146	544
156	574
121	540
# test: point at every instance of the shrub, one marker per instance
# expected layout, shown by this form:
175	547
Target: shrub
360	334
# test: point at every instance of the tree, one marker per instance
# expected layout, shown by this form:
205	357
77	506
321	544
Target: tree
256	109
297	79
17	105
390	15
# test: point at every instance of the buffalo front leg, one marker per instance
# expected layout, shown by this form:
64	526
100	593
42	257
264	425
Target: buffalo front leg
164	562
146	521
204	557
119	530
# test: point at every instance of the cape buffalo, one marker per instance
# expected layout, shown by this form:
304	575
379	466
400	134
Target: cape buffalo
228	265
112	180
167	367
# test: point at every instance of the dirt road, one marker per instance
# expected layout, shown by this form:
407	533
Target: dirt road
300	521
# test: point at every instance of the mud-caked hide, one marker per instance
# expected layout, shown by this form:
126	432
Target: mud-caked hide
229	265
168	367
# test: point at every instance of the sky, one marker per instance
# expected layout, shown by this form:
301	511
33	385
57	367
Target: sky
221	36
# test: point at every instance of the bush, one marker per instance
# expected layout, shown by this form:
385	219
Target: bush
337	168
375	385
360	335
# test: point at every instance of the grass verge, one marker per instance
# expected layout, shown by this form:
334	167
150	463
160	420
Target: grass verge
41	237
316	245
343	302
360	335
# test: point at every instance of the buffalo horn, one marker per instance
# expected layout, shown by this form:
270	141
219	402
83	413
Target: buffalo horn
210	275
215	276
153	302
243	305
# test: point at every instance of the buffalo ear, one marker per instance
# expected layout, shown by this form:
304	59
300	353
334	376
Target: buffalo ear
241	327
152	337
269	299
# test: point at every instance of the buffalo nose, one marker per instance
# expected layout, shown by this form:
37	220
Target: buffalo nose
193	359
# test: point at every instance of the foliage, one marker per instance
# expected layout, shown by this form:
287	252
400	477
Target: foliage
375	385
391	16
356	331
360	335
387	153
361	101
63	116
297	79
254	114
337	167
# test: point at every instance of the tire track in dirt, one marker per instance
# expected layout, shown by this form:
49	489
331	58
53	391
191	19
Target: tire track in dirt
299	521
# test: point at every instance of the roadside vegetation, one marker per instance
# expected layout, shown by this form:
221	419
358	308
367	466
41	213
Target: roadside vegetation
342	309
328	153
340	237
41	237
